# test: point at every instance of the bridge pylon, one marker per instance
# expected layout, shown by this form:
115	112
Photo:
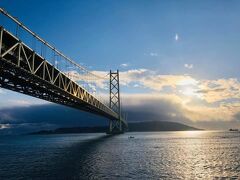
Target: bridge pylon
116	126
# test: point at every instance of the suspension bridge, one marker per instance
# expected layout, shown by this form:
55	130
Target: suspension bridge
30	65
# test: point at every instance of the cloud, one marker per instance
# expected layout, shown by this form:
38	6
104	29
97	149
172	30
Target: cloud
124	65
139	107
200	99
154	81
188	66
176	37
158	82
172	107
204	113
136	85
149	107
4	126
219	90
168	97
237	117
5	116
153	54
21	103
208	90
1	91
197	100
47	116
151	79
88	81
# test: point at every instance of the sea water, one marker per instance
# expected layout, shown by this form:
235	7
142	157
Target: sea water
150	155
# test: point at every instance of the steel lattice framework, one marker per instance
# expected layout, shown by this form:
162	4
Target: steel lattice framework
115	105
25	71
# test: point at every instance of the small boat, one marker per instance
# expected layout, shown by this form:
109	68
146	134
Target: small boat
130	137
233	130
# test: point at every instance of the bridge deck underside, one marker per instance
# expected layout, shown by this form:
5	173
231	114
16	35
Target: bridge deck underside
16	80
24	71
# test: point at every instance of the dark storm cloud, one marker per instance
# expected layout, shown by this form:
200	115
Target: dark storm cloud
38	117
162	109
155	110
51	116
237	117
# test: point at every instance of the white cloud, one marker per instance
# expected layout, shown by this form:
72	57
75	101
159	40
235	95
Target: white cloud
89	82
176	37
136	85
153	54
188	66
4	126
210	91
26	103
21	102
151	79
154	81
10	103
220	89
124	65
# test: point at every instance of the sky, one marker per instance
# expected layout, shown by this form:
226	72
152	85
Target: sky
178	60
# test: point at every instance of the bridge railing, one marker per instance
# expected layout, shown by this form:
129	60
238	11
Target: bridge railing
95	84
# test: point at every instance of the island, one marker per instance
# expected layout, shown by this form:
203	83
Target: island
146	126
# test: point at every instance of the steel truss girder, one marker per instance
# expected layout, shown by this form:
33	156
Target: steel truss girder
26	72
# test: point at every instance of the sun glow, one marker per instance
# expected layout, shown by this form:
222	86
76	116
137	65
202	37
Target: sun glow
191	133
187	81
190	91
189	87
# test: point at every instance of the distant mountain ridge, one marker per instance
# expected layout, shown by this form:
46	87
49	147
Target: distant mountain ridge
148	126
159	126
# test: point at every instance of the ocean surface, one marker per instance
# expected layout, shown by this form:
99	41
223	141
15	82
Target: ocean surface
160	155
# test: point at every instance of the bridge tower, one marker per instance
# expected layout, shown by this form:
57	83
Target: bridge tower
115	125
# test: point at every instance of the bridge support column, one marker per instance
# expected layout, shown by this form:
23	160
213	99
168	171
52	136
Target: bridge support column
1	37
115	125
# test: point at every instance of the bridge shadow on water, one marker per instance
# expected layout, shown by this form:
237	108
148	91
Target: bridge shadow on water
82	160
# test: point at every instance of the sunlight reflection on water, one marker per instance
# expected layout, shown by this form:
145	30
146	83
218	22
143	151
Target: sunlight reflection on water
160	155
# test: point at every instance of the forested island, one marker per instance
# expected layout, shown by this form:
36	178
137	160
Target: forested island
148	126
